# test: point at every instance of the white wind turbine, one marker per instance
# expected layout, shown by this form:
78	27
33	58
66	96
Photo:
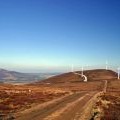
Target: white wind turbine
72	68
106	65
118	73
82	71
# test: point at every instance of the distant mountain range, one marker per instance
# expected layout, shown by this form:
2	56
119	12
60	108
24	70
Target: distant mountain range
7	76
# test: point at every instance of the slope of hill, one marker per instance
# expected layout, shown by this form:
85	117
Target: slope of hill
98	74
12	76
17	77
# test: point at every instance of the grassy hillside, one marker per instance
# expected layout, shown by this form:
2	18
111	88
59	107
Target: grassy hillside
98	74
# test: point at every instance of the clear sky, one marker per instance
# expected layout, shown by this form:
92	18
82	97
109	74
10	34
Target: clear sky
38	35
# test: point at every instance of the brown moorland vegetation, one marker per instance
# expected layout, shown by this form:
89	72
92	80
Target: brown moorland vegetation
14	98
108	104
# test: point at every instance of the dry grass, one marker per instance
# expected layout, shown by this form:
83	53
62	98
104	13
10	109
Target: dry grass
17	98
108	104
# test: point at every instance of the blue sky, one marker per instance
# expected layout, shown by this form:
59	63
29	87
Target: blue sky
47	35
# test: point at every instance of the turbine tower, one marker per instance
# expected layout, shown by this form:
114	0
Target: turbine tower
82	71
118	73
82	74
106	65
72	69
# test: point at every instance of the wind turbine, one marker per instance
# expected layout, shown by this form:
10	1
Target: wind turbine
118	73
106	65
72	69
84	76
82	71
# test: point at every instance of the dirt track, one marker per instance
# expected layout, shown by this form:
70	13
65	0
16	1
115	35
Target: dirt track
105	86
67	108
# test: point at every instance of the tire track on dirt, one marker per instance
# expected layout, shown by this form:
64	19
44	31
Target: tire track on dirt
74	110
48	110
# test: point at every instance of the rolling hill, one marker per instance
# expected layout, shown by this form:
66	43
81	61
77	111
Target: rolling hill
92	75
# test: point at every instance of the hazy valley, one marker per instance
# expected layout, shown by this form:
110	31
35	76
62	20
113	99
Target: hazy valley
14	77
